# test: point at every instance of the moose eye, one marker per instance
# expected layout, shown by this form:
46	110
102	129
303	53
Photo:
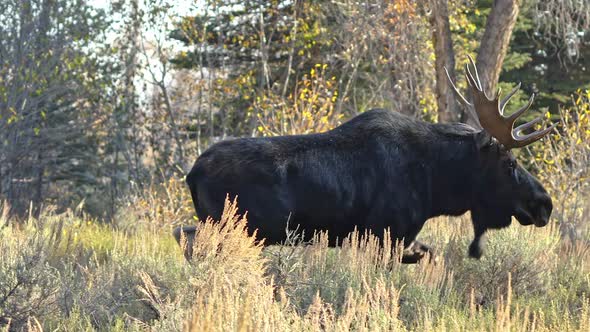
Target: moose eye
512	165
512	170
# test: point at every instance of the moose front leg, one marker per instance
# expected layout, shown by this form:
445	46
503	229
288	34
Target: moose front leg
416	251
476	246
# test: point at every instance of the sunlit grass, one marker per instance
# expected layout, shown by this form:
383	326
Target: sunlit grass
68	273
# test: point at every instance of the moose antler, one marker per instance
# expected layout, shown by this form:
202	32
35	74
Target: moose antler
490	113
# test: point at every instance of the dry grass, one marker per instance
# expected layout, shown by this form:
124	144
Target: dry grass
51	277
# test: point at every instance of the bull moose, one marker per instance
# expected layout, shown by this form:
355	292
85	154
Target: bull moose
381	169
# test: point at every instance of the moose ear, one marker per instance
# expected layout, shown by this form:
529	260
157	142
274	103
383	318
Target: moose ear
482	139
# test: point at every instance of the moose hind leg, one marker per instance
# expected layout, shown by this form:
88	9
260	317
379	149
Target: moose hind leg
185	237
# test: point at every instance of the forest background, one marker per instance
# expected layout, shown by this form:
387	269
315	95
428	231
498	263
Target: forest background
98	100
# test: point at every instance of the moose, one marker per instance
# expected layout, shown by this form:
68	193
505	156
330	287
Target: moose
379	170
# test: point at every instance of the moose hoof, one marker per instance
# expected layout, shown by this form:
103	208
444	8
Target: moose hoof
475	249
416	251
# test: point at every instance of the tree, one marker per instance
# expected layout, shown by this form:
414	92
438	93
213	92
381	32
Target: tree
495	41
493	47
50	95
563	25
375	52
557	28
156	53
448	107
244	51
550	51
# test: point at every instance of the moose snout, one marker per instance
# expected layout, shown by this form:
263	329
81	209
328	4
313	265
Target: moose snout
543	206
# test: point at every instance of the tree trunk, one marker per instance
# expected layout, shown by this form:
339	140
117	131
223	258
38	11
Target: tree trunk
130	90
38	197
494	43
448	107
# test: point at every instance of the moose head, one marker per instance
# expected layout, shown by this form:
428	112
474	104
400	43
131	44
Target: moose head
504	188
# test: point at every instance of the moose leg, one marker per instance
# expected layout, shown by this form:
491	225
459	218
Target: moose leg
413	251
476	246
185	237
416	251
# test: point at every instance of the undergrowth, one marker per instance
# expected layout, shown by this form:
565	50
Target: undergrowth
64	273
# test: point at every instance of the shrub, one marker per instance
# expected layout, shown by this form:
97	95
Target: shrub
166	204
525	255
29	285
310	109
562	163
